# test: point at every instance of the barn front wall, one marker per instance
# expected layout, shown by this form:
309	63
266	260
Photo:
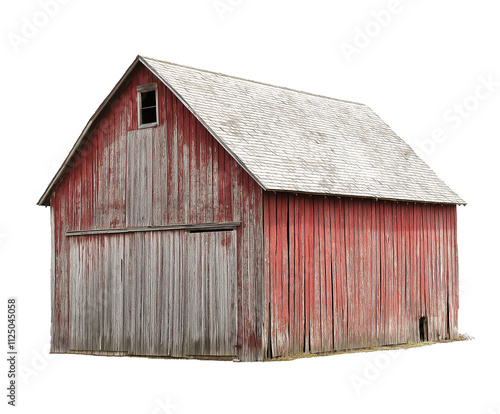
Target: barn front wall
128	293
344	273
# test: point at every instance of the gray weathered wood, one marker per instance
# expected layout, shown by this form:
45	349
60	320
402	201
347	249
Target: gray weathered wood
210	295
139	209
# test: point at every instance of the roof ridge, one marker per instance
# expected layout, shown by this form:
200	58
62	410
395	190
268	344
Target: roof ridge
253	81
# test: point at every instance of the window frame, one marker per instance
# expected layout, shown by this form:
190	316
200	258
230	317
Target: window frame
140	90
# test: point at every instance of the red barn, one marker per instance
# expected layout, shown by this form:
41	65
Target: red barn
203	215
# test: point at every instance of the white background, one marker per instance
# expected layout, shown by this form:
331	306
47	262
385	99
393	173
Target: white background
415	72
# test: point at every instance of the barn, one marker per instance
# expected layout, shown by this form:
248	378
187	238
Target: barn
200	215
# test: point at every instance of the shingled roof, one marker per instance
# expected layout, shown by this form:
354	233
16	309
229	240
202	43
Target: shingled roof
300	142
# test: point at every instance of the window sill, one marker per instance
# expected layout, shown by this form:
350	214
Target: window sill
151	125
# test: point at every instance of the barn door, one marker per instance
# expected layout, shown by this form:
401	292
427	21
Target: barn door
210	297
96	293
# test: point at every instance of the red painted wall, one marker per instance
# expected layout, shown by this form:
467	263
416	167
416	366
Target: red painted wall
360	273
193	180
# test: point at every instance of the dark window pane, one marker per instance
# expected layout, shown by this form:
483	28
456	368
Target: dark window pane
148	99
148	115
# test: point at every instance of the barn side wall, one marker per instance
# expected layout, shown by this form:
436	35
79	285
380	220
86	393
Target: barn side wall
345	273
175	173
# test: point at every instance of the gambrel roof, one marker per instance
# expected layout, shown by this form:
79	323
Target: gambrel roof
295	141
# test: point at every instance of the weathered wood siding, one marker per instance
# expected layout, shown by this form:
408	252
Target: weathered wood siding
346	273
312	273
175	173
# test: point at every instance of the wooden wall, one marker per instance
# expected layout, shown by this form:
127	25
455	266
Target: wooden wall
175	173
330	274
346	273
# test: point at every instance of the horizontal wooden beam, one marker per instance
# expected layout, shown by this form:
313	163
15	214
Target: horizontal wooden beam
188	227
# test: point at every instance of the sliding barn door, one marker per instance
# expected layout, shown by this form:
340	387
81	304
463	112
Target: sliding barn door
210	295
96	293
154	293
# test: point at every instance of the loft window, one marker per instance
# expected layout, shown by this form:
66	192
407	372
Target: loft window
147	100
